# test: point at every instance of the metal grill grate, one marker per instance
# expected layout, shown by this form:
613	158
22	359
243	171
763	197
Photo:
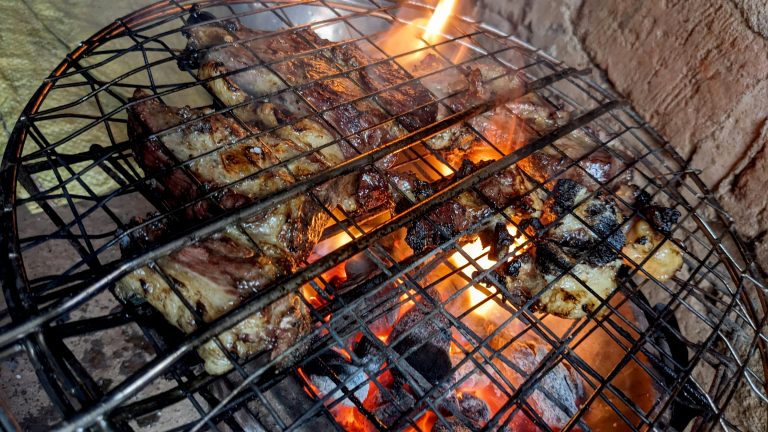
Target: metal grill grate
80	187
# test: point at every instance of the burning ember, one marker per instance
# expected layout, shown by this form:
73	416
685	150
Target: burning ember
415	347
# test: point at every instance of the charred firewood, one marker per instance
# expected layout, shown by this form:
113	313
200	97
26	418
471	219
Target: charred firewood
391	408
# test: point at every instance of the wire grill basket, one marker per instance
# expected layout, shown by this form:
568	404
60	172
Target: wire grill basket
665	354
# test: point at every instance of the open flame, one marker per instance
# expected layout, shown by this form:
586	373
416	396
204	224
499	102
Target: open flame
417	35
438	20
481	262
599	351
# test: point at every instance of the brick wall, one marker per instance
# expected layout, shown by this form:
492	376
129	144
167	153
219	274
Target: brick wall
696	70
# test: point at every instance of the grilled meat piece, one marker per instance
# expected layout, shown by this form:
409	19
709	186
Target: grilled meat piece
230	52
576	237
397	91
215	43
506	191
665	257
595	165
580	226
214	276
502	128
573	263
350	113
365	124
222	153
400	94
484	82
179	186
217	273
538	113
648	234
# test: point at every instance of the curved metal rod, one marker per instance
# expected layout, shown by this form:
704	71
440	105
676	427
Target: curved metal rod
9	334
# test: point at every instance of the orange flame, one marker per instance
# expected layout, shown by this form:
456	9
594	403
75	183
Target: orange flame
506	135
482	262
405	38
438	20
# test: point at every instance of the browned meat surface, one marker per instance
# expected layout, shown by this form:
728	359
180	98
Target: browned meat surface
217	273
481	84
576	237
218	163
365	124
592	164
648	248
214	44
573	261
571	265
214	276
507	191
399	93
580	225
648	243
363	121
222	153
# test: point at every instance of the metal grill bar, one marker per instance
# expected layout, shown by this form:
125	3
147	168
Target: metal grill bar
724	306
414	213
537	84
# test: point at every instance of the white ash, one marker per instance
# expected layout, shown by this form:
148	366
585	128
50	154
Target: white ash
325	385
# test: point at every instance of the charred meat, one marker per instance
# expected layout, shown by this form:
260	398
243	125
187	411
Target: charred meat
208	163
648	235
576	235
509	192
571	267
